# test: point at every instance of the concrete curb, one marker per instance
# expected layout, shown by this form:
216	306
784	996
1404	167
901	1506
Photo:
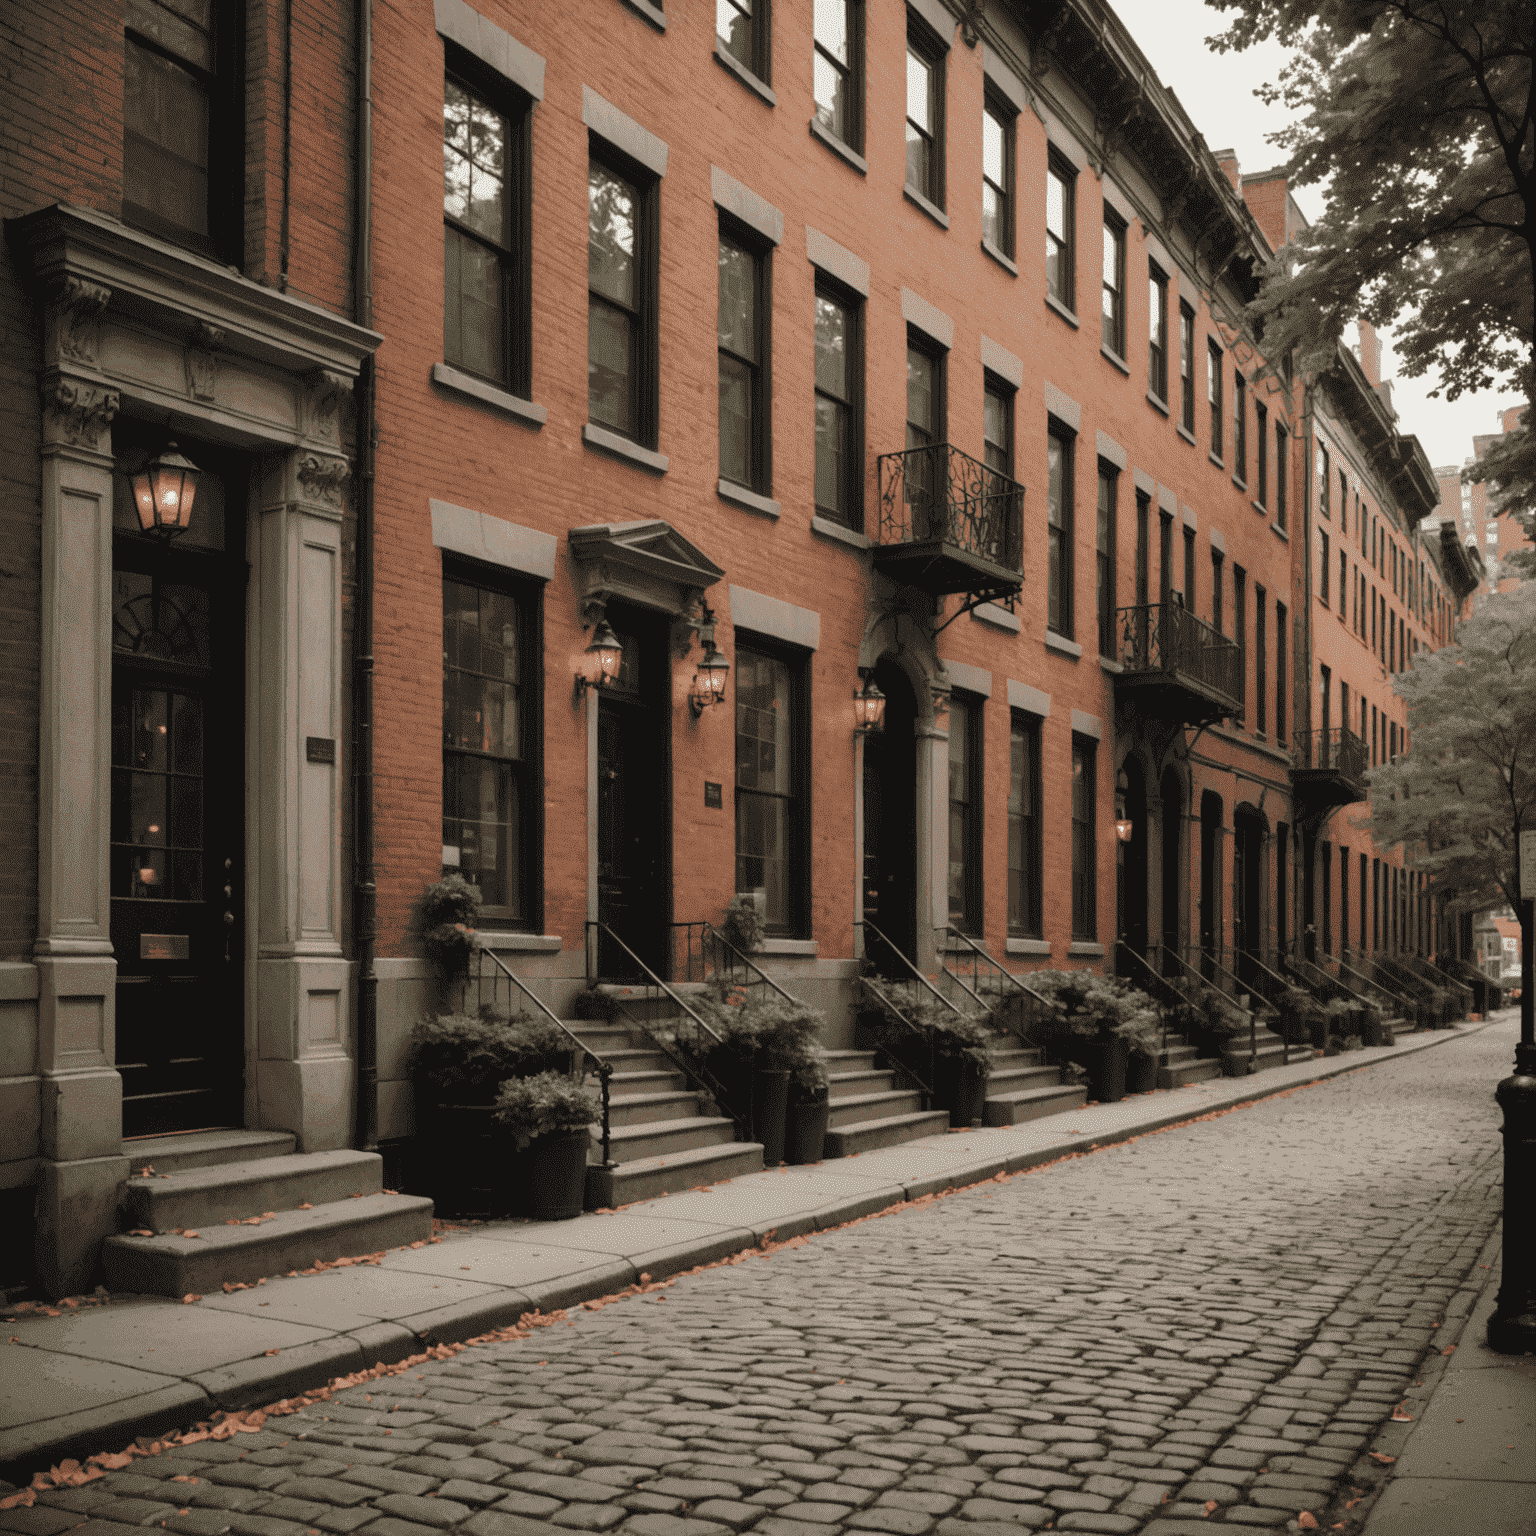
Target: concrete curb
175	1400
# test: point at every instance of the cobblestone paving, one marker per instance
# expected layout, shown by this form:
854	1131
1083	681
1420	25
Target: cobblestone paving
1201	1327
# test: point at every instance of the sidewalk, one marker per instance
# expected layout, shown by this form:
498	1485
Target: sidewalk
1468	1460
92	1379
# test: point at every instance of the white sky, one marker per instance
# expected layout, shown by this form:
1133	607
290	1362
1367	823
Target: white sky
1216	90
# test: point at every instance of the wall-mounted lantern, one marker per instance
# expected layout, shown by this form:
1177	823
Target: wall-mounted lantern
708	679
598	665
868	706
1124	829
163	492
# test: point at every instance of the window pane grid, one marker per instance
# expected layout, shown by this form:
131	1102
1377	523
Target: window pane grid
768	795
1113	325
1084	848
833	62
1025	894
1059	224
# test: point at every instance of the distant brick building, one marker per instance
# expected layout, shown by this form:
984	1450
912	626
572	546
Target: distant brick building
870	347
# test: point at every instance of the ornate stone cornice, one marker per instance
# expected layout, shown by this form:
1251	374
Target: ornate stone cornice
324	478
201	360
325	395
77	412
75	320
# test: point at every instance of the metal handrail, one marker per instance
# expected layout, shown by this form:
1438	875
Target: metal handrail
937	492
917	974
603	1066
1243	987
690	1064
709	933
893	1008
1387	994
1167	638
1262	970
1337	748
977	954
1167	994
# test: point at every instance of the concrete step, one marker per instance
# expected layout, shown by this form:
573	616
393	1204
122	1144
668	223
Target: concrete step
202	1149
1235	1059
858	1108
842	1084
1011	1079
1018	1105
648	1059
1006	1057
647	1003
170	1265
207	1197
661	1138
602	1037
1178	1053
627	1084
846	1140
850	1061
1198	1070
649	1108
643	1178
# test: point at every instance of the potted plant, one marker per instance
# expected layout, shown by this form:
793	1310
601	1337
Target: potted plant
1099	1022
950	1050
810	1109
446	919
743	926
548	1118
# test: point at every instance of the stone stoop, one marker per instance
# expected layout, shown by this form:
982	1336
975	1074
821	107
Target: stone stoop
1272	1052
1019	1088
1181	1063
866	1110
241	1205
662	1137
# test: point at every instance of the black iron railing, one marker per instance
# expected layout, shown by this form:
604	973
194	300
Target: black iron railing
987	984
889	995
1131	965
1338	749
492	980
1166	639
700	952
940	494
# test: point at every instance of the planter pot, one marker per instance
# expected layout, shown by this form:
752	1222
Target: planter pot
806	1130
1106	1061
960	1086
770	1107
552	1175
463	1159
1141	1073
1317	1033
1371	1031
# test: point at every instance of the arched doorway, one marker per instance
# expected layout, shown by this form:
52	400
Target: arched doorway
1133	907
1247	891
890	819
1210	883
1173	836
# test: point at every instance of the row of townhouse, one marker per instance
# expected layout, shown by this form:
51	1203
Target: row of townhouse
914	364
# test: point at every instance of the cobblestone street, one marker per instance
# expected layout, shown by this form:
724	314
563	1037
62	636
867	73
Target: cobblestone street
1204	1326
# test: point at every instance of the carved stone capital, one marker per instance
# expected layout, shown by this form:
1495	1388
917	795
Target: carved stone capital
323	478
77	412
201	360
325	396
75	320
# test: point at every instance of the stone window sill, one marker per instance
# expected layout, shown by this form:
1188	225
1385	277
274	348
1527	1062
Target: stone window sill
1260	508
1086	949
803	948
1055	642
740	496
623	448
648	12
1242	485
1186	434
728	61
1217	460
1157	403
998	617
522	943
933	210
1110	665
468	387
1279	532
1002	259
831	530
1114	357
1028	947
844	152
1062	310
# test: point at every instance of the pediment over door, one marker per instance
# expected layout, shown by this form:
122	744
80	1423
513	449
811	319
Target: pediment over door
646	562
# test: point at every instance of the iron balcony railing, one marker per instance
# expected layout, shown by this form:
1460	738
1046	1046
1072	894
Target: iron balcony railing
939	494
1167	639
1338	750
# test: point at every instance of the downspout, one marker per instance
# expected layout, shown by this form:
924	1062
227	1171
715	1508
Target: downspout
1301	668
365	888
285	226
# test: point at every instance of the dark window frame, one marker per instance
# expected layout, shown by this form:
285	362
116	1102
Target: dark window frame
1187	367
1085	846
760	421
797	663
1063	246
852	485
1060	535
1157	331
1261	442
1026	896
1282	472
929	49
515	257
1105	534
1280	683
527	594
1191	575
1260	659
938	356
1113	299
1002	112
1239	428
998	455
1218	589
1215	390
1240	634
759	28
966	712
1143	574
851	75
645	381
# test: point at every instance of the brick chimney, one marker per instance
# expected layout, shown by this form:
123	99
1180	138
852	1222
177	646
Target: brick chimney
1268	200
1370	354
1227	160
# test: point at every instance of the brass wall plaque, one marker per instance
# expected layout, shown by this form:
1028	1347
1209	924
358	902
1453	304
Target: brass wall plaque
320	749
165	946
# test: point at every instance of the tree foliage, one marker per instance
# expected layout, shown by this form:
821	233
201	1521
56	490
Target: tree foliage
1416	117
1459	797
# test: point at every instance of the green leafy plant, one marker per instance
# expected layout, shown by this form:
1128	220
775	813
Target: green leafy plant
743	926
446	919
766	1032
1090	1007
527	1107
461	1053
937	1030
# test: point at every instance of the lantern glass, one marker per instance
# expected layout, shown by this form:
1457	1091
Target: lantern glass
164	491
869	707
1124	830
709	679
599	663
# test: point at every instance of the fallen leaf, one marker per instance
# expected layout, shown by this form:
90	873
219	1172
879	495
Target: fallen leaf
307	1206
1382	1457
141	1232
190	1297
1307	1520
1210	1508
269	1351
1450	1351
191	1234
1399	1417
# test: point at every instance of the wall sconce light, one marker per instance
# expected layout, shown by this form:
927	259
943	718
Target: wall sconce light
598	665
708	679
868	707
1124	829
163	492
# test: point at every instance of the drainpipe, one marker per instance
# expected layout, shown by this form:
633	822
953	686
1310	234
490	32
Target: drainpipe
364	888
1301	659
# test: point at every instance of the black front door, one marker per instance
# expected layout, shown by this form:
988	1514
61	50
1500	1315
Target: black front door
634	887
890	824
176	876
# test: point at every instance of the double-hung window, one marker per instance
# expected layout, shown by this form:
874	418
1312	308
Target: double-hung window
1026	893
1085	854
486	297
838	69
997	149
1157	331
1323	567
491	776
997	426
1060	229
1261	441
965	820
771	784
1108	484
1280	616
1218	597
923	478
744	352
839	382
1324	486
622	356
1112	326
743	29
1239	428
1189	569
1213	395
183	124
1240	632
1260	659
1143	576
925	114
1282	471
1059	531
1187	368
